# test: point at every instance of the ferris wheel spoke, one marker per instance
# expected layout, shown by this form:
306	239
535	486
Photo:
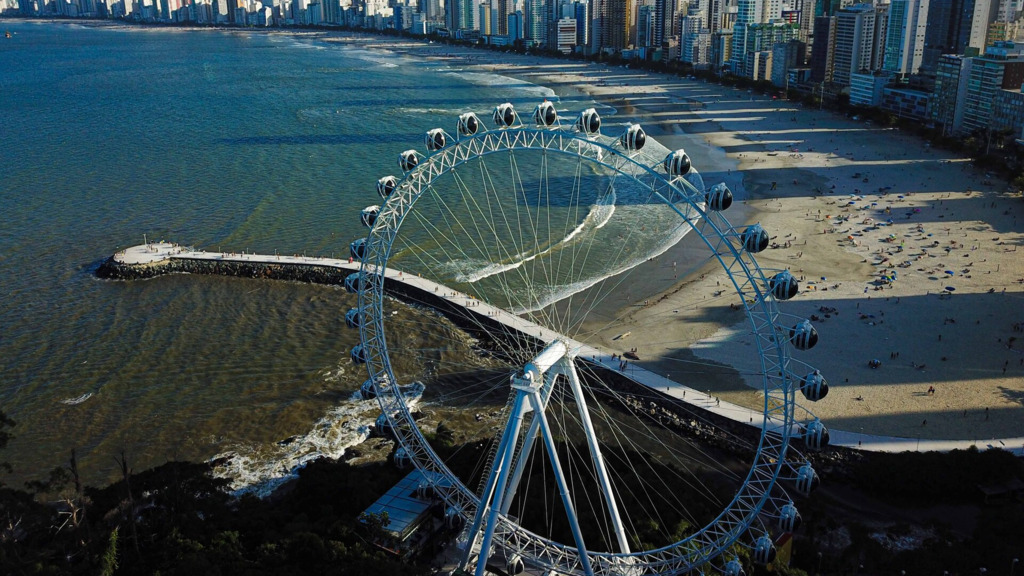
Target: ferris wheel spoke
548	225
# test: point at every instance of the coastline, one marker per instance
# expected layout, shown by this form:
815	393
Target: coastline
785	163
750	141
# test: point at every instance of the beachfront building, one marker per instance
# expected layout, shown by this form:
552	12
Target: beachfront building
905	102
612	21
1008	110
461	15
535	28
581	12
1001	68
665	20
645	25
950	92
855	44
432	10
786	56
748	13
983	13
904	42
823	49
866	88
759	65
515	26
949	29
759	38
721	45
566	35
497	16
695	41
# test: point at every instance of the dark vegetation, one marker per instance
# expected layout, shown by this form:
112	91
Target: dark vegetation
177	519
933	502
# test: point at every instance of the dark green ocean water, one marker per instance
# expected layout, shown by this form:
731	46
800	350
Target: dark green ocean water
234	141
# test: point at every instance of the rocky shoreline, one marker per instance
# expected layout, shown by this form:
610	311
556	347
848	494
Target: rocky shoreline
111	269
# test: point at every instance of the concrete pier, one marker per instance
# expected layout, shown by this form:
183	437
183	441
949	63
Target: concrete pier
159	258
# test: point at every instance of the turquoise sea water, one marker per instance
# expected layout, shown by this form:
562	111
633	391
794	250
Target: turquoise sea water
240	141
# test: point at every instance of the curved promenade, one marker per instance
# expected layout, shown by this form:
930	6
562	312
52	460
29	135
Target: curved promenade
152	259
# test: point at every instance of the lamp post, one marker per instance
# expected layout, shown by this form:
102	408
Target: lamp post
821	101
1013	566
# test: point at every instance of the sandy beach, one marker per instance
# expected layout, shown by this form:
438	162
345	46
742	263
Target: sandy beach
846	204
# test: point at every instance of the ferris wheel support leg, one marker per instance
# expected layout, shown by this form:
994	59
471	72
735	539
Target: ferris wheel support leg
524	452
595	455
509	441
563	488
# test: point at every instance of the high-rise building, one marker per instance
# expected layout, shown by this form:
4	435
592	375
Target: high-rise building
645	15
759	64
485	18
983	13
535	29
432	9
785	56
904	42
515	25
566	34
1002	67
664	25
950	92
582	15
854	43
760	38
748	13
616	17
461	15
597	24
695	40
942	31
1008	111
881	33
721	49
823	51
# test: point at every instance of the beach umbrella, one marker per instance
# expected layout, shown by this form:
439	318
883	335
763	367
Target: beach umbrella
950	272
950	288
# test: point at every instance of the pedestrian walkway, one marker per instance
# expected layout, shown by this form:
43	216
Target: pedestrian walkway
160	251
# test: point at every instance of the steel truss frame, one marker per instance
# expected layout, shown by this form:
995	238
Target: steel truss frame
759	493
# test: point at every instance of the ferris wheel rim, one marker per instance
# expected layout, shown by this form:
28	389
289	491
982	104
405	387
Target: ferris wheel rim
725	529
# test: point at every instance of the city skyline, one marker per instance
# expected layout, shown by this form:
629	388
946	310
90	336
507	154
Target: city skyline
895	55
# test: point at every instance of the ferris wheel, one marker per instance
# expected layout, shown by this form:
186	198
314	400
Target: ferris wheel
518	248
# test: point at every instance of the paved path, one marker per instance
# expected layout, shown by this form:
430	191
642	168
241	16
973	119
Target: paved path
157	252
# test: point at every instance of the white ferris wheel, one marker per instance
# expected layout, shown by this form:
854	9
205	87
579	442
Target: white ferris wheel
519	244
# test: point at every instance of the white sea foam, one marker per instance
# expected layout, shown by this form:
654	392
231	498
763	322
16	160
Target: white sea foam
442	112
507	82
599	215
77	400
259	470
382	58
544	298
